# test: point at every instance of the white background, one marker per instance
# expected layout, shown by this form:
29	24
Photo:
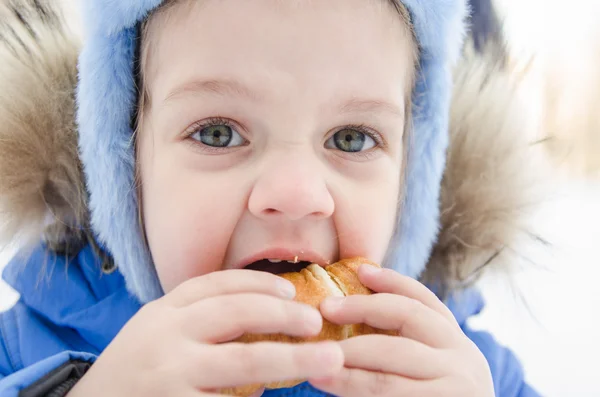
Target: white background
556	335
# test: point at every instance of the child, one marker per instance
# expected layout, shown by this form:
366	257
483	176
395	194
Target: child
263	131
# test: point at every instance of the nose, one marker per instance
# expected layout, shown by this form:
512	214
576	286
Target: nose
291	187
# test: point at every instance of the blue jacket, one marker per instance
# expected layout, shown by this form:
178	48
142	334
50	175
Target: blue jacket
70	310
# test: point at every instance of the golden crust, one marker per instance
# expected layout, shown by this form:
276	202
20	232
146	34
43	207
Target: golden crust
345	274
241	391
312	287
311	291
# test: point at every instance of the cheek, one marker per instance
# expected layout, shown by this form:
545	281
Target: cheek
189	217
366	216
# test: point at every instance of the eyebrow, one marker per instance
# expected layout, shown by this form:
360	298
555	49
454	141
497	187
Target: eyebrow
229	87
219	87
366	106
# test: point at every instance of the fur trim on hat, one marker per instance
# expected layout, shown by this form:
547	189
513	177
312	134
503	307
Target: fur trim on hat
482	192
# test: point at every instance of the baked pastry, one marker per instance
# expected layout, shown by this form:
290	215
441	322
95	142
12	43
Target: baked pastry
313	284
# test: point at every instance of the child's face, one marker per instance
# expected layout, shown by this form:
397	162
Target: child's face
273	125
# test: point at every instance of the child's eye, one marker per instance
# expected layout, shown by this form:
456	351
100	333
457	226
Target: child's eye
217	135
350	140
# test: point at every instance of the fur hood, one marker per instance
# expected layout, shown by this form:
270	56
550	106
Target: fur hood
488	184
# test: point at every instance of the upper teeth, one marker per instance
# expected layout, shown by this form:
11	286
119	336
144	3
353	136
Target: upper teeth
280	260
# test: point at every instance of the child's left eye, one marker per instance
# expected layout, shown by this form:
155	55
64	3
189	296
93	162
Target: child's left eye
217	135
351	141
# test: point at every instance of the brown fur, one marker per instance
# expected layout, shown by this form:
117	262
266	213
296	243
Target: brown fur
494	173
486	187
41	185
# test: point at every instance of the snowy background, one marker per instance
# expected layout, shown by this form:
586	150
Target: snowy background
554	329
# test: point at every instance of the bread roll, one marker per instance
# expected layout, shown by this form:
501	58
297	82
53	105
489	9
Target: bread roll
313	284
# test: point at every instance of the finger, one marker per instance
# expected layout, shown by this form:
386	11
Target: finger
410	317
236	364
353	382
392	282
224	318
395	355
230	282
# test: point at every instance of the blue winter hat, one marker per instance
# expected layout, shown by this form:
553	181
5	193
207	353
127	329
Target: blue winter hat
107	98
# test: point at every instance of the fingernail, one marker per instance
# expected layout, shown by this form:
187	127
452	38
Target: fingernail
286	289
333	303
370	269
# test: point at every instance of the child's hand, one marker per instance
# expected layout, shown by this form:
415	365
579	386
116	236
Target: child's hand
432	357
171	347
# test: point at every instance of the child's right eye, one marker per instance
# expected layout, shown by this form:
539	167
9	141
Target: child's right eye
217	134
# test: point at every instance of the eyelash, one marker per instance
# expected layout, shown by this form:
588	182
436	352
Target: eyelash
365	155
197	126
362	128
191	130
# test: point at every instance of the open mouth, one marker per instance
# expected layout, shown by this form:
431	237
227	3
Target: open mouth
277	266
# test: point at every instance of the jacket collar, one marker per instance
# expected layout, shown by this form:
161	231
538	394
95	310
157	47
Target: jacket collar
73	292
